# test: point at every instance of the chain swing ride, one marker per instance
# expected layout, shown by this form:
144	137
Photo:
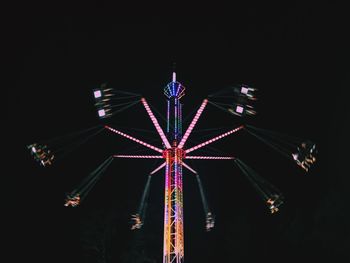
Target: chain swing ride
238	101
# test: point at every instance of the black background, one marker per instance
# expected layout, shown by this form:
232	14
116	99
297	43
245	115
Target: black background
295	55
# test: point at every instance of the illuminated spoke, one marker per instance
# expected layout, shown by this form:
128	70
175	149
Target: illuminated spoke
158	168
138	156
156	124
134	139
214	139
210	157
189	168
193	123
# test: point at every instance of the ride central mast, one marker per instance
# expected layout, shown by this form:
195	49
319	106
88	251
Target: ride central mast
173	248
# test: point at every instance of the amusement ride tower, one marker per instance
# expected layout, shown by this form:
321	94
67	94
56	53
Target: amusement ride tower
173	249
175	155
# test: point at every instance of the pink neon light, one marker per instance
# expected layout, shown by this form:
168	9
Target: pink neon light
158	168
97	94
189	168
244	90
193	123
134	139
139	156
101	113
156	124
210	157
214	139
239	109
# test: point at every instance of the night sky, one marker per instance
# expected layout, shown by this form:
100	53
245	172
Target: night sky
294	55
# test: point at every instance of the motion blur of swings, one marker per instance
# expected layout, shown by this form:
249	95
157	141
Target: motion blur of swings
272	197
108	102
239	100
302	152
41	154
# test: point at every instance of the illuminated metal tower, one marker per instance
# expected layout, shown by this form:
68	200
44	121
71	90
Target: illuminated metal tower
175	156
173	250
